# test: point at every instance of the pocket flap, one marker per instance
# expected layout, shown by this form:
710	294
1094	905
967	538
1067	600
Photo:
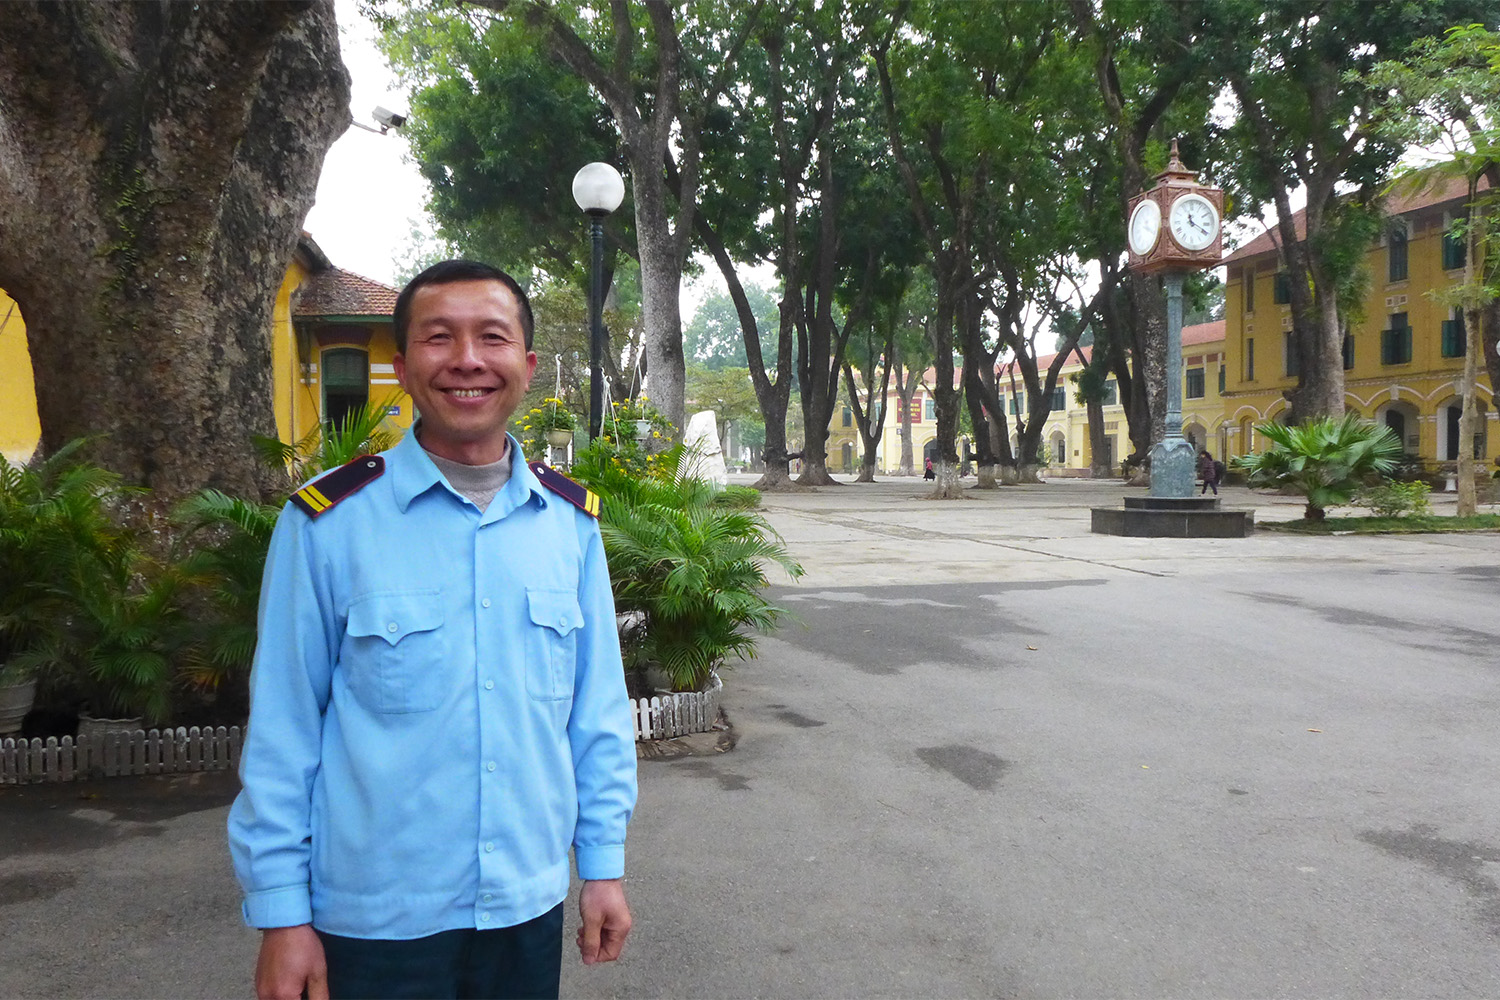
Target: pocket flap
393	616
555	609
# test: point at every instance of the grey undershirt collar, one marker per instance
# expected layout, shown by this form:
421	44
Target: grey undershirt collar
479	483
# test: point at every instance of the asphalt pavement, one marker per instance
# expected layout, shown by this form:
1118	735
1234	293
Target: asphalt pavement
991	755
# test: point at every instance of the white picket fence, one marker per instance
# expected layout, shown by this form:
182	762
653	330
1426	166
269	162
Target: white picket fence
207	748
108	755
665	716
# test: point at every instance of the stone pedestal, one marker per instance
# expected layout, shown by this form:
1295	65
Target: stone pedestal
1172	517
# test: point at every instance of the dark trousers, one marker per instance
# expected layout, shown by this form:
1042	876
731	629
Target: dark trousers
523	962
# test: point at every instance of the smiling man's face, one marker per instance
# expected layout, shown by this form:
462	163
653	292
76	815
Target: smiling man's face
466	367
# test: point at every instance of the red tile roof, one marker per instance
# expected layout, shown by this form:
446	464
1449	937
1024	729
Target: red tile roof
1402	200
336	292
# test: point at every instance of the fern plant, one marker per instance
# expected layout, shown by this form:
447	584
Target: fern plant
361	432
55	530
1325	460
227	539
689	561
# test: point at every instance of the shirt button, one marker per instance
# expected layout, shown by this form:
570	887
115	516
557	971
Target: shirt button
489	685
391	627
484	603
489	847
484	918
488	896
490	766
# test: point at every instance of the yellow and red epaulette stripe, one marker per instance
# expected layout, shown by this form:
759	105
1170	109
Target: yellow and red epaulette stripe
346	480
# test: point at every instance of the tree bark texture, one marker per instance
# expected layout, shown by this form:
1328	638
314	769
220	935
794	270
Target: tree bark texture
157	160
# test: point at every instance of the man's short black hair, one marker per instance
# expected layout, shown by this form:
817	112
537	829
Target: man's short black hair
447	272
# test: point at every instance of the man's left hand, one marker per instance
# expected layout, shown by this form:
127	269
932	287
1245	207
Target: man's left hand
605	920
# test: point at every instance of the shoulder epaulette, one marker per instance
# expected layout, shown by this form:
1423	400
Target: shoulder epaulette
577	494
345	481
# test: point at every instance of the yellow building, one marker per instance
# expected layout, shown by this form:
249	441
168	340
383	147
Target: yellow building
1066	432
1402	359
332	344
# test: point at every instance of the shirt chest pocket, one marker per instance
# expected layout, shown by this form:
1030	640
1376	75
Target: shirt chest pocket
552	643
394	651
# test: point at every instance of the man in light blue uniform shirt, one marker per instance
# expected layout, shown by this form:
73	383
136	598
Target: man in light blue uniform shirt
438	709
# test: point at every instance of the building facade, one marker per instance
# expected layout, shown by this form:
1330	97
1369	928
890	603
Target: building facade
1065	436
1403	350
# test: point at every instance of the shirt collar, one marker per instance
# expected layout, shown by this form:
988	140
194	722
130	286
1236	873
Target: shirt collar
413	473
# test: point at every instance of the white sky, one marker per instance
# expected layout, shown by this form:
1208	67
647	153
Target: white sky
370	194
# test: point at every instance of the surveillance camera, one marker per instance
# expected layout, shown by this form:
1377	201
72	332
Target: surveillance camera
389	119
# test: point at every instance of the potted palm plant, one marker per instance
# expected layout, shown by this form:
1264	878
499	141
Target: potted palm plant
57	543
687	565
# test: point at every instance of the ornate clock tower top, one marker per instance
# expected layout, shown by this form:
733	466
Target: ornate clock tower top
1176	225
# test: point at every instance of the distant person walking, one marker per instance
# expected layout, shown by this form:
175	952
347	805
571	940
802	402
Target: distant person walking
928	473
1210	472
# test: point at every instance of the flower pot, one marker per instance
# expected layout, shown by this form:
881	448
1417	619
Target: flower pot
559	438
92	727
15	702
642	429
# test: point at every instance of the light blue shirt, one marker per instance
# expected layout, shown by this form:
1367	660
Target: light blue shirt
438	711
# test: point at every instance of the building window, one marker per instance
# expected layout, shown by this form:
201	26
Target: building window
848	417
1248	277
1348	351
1454	341
1281	290
1111	397
346	384
1395	342
1222	369
1455	250
1194	383
1249	359
929	410
1059	399
1017	403
1395	248
1289	354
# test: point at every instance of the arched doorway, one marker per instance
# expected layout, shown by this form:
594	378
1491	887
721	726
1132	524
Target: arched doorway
1403	421
1448	417
848	456
1058	447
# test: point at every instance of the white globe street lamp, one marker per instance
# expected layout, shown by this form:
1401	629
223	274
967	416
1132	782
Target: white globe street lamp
598	189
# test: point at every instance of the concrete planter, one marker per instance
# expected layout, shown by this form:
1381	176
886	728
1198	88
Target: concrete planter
15	702
90	727
559	438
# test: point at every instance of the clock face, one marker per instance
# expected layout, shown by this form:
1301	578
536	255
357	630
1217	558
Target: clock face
1145	224
1194	222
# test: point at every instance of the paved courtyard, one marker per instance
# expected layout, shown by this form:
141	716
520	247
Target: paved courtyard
993	755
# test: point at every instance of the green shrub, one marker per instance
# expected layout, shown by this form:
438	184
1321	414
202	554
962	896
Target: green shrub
1395	499
688	560
1324	460
82	607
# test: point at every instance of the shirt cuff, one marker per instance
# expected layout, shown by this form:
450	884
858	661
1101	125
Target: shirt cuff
595	863
286	907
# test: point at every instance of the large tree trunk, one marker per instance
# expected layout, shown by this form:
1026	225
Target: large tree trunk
1098	467
661	310
158	162
1474	317
905	390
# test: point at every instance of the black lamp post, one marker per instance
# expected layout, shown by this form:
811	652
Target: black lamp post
598	189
